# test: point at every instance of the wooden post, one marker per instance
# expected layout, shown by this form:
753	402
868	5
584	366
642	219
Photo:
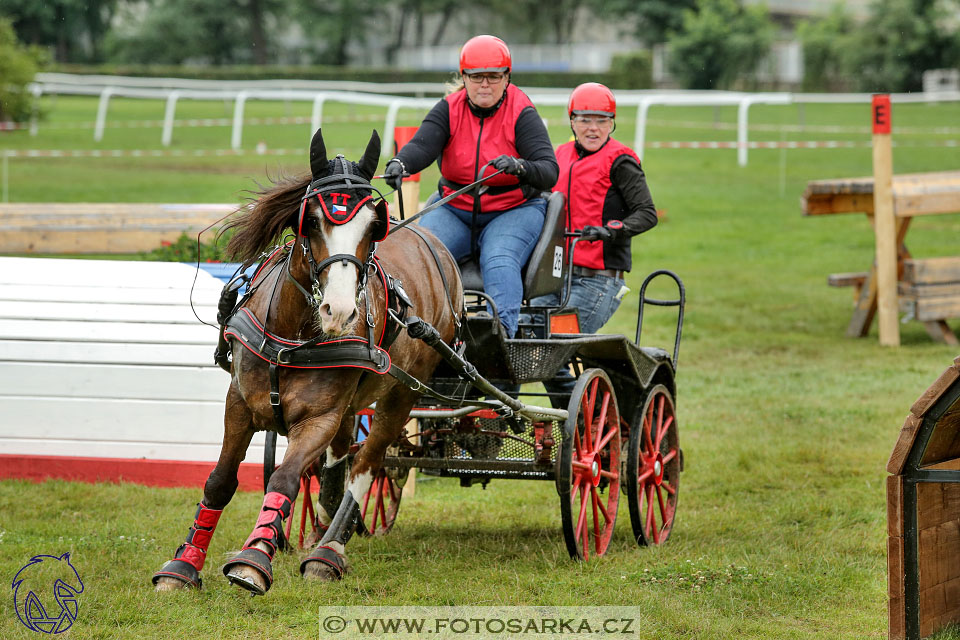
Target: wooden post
410	189
884	223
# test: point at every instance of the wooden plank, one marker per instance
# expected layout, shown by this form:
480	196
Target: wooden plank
932	270
827	204
118	332
865	308
104	448
898	457
112	208
90	240
107	353
203	294
914	194
47	379
897	624
97	312
895	572
932	309
153	473
940	290
851	279
934	391
894	506
105	273
929	508
940	331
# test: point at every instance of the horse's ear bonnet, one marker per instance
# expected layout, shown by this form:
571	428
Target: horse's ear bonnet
342	186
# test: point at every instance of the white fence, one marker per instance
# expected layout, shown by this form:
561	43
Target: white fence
105	359
173	90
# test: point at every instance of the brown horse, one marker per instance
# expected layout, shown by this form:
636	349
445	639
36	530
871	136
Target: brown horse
325	289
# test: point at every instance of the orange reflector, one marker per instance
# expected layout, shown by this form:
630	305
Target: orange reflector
567	323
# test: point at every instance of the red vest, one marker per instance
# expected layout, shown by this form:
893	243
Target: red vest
474	142
585	183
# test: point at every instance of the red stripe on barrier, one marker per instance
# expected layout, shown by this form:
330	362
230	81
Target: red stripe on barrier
152	473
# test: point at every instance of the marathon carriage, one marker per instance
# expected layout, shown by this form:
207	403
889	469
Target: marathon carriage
357	314
615	432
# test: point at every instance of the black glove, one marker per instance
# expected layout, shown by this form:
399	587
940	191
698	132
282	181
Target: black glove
509	164
393	173
596	233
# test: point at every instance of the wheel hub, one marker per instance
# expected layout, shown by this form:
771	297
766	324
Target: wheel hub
658	469
595	468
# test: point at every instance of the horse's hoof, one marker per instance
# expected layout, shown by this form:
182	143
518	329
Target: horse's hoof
166	583
248	578
324	563
251	570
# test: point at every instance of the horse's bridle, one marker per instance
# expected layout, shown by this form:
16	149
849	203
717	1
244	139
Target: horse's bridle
343	179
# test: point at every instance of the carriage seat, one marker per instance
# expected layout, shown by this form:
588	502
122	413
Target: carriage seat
545	270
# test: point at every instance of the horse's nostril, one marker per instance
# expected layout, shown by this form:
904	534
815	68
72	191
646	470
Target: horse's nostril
353	317
325	310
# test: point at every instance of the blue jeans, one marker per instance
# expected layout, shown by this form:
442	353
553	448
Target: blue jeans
594	298
505	243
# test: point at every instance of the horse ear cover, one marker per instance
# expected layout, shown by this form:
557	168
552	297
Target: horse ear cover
371	157
319	166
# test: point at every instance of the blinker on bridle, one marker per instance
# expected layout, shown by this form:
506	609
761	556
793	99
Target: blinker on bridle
342	180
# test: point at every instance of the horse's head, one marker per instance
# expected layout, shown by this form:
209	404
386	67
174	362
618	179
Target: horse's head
339	222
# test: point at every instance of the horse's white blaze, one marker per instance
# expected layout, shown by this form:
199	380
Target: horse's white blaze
338	312
359	486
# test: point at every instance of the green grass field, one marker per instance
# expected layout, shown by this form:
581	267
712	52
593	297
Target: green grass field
786	425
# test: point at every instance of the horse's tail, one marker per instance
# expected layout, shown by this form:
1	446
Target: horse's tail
267	213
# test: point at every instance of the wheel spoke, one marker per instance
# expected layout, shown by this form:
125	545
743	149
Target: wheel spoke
592	395
577	445
596	519
606	514
602	420
377	503
648	494
647	425
663	431
394	491
609	475
646	474
583	519
612	432
670	488
663	508
582	516
670	456
383	508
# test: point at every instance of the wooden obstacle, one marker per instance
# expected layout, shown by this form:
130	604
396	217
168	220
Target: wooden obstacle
913	195
923	514
106	374
100	228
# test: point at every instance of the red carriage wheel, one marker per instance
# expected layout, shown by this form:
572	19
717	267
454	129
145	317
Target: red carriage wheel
588	466
379	506
653	468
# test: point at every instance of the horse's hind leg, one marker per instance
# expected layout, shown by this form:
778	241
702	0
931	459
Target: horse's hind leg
184	570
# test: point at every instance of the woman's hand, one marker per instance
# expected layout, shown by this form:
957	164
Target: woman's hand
509	164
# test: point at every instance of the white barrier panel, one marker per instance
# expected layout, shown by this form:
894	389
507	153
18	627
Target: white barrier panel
104	359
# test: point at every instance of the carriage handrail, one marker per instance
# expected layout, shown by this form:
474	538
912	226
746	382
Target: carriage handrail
679	302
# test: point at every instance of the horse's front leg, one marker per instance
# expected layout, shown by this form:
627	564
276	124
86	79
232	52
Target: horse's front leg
184	570
252	568
328	560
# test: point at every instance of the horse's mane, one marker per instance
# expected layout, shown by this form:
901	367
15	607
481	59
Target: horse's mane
267	213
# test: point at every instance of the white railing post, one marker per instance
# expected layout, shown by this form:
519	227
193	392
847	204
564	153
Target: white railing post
386	150
742	111
102	113
37	91
168	115
640	135
236	137
316	116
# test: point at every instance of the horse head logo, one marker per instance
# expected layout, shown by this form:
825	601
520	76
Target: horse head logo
31	593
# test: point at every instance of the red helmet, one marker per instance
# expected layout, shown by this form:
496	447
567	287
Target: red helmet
484	54
592	98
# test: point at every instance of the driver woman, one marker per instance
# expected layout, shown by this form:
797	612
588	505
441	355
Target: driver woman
486	120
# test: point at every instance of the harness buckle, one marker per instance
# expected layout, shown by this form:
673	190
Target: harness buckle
275	398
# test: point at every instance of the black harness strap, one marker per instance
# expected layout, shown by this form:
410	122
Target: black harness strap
443	276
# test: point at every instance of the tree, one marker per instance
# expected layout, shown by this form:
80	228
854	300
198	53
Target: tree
655	19
828	44
18	65
900	40
74	29
719	43
225	32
